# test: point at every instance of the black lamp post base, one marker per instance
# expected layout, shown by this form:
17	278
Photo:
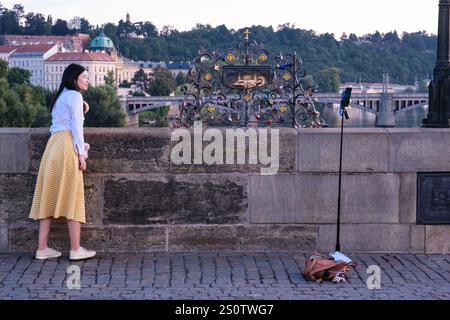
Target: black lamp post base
439	108
430	126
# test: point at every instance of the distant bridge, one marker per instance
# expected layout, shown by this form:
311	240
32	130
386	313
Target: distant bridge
371	102
133	105
376	103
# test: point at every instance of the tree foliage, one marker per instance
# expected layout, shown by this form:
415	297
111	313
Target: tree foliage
109	78
105	108
23	105
3	69
141	80
328	80
181	78
162	83
36	24
17	76
159	115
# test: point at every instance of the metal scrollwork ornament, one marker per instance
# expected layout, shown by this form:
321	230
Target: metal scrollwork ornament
248	86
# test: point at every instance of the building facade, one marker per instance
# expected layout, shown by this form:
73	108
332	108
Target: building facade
46	57
125	70
6	51
178	67
31	58
97	65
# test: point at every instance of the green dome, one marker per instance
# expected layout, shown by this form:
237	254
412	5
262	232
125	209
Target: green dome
102	43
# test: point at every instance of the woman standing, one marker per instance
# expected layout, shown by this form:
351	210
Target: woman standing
59	189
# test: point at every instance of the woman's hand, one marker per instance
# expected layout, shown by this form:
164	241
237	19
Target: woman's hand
82	163
85	107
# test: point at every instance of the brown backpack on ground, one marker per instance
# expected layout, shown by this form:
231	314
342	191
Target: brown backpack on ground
321	267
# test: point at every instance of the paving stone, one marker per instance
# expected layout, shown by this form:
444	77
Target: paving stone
222	276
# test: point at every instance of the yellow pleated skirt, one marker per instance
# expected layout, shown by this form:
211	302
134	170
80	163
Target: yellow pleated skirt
59	189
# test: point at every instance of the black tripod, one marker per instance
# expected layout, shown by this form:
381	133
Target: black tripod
345	101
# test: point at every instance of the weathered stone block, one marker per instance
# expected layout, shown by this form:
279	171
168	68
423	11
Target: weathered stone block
38	142
14	150
279	238
25	238
419	150
408	198
93	195
311	198
16	198
368	198
128	150
288	150
4	244
130	239
184	199
287	144
367	238
203	238
242	238
289	199
364	150
437	239
417	239
3	214
19	191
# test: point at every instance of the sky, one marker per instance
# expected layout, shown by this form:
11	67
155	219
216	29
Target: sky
349	16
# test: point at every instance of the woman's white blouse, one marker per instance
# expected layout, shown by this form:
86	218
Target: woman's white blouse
67	115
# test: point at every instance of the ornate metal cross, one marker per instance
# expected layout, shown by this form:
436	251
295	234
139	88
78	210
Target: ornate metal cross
247	34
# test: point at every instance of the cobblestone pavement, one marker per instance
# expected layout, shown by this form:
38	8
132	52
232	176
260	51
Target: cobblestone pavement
220	276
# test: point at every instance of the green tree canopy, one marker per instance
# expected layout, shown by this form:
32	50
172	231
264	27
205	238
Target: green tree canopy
159	115
60	28
3	69
109	78
181	79
36	24
162	83
141	80
23	106
328	80
105	108
17	76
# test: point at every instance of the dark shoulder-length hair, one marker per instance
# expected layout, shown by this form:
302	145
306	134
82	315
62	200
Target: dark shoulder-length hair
69	80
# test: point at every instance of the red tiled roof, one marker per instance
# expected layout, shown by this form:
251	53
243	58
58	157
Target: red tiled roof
35	47
84	56
17	37
5	49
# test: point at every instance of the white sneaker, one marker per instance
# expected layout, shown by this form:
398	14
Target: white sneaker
81	254
47	253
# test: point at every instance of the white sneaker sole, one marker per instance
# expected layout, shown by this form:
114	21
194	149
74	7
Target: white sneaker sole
82	258
47	257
